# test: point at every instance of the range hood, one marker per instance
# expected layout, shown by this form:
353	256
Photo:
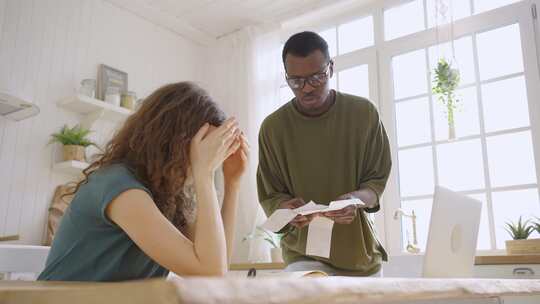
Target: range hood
14	108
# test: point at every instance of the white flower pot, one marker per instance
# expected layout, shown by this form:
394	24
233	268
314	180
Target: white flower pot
276	255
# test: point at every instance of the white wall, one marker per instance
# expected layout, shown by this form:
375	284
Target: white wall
46	48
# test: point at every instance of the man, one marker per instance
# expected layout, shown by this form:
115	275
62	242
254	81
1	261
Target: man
324	146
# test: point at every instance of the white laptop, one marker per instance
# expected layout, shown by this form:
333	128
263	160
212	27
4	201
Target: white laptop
452	237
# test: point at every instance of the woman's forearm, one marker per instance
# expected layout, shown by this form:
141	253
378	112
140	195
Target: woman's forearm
209	237
228	213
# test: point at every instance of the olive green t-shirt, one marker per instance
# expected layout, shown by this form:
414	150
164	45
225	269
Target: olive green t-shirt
321	158
88	246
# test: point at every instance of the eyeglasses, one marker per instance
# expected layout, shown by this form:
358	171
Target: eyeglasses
315	80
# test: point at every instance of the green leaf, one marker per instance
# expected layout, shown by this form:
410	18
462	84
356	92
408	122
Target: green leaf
445	81
520	230
536	225
76	135
271	241
266	235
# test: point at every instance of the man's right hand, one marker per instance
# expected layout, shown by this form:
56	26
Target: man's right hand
300	220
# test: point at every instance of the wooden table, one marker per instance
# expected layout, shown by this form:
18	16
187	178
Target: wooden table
271	290
479	260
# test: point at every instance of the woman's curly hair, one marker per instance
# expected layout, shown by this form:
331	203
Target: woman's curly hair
154	143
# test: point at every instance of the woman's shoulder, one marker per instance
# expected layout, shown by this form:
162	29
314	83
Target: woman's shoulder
115	174
114	171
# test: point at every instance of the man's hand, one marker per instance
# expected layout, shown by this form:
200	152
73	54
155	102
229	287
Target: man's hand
300	220
345	215
342	216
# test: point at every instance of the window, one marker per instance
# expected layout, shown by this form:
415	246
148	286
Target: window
344	39
492	156
330	36
441	12
412	122
285	94
355	35
496	44
486	5
511	205
404	20
355	81
511	160
410	75
494	153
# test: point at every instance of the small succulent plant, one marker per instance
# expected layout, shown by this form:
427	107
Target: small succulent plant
520	230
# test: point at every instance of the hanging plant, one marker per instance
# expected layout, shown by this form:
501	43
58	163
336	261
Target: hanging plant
445	83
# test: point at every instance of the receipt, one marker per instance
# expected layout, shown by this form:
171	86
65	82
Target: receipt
311	207
279	219
319	238
282	217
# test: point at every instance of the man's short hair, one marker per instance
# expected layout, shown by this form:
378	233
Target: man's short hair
303	44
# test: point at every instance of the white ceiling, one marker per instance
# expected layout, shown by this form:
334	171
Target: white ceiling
206	20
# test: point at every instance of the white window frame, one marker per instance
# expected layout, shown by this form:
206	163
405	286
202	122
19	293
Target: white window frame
379	59
519	13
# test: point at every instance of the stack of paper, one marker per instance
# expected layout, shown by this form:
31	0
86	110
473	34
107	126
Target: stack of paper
320	229
282	217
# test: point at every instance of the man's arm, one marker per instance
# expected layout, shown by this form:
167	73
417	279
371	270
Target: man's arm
376	168
366	195
377	164
273	194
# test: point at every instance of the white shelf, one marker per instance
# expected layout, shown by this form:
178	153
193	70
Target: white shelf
71	167
94	109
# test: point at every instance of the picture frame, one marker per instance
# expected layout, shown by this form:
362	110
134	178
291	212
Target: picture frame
109	76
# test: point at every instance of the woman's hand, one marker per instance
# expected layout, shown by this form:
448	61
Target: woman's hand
211	146
235	165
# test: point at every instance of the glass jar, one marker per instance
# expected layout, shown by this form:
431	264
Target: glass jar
112	96
128	100
139	103
88	88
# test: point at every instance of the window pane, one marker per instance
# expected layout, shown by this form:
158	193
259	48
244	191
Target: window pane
459	9
511	159
464	58
416	171
499	52
505	104
330	36
404	19
356	35
460	165
508	206
466	121
409	72
412	122
422	209
355	81
285	94
333	83
486	5
484	241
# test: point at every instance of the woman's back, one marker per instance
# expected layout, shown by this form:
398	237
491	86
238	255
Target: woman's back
88	246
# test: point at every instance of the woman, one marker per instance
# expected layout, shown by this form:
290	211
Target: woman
148	205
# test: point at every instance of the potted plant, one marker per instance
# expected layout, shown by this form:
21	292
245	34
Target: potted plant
270	238
445	83
536	225
74	141
520	232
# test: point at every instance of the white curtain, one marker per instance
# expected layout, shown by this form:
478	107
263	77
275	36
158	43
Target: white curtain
244	74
